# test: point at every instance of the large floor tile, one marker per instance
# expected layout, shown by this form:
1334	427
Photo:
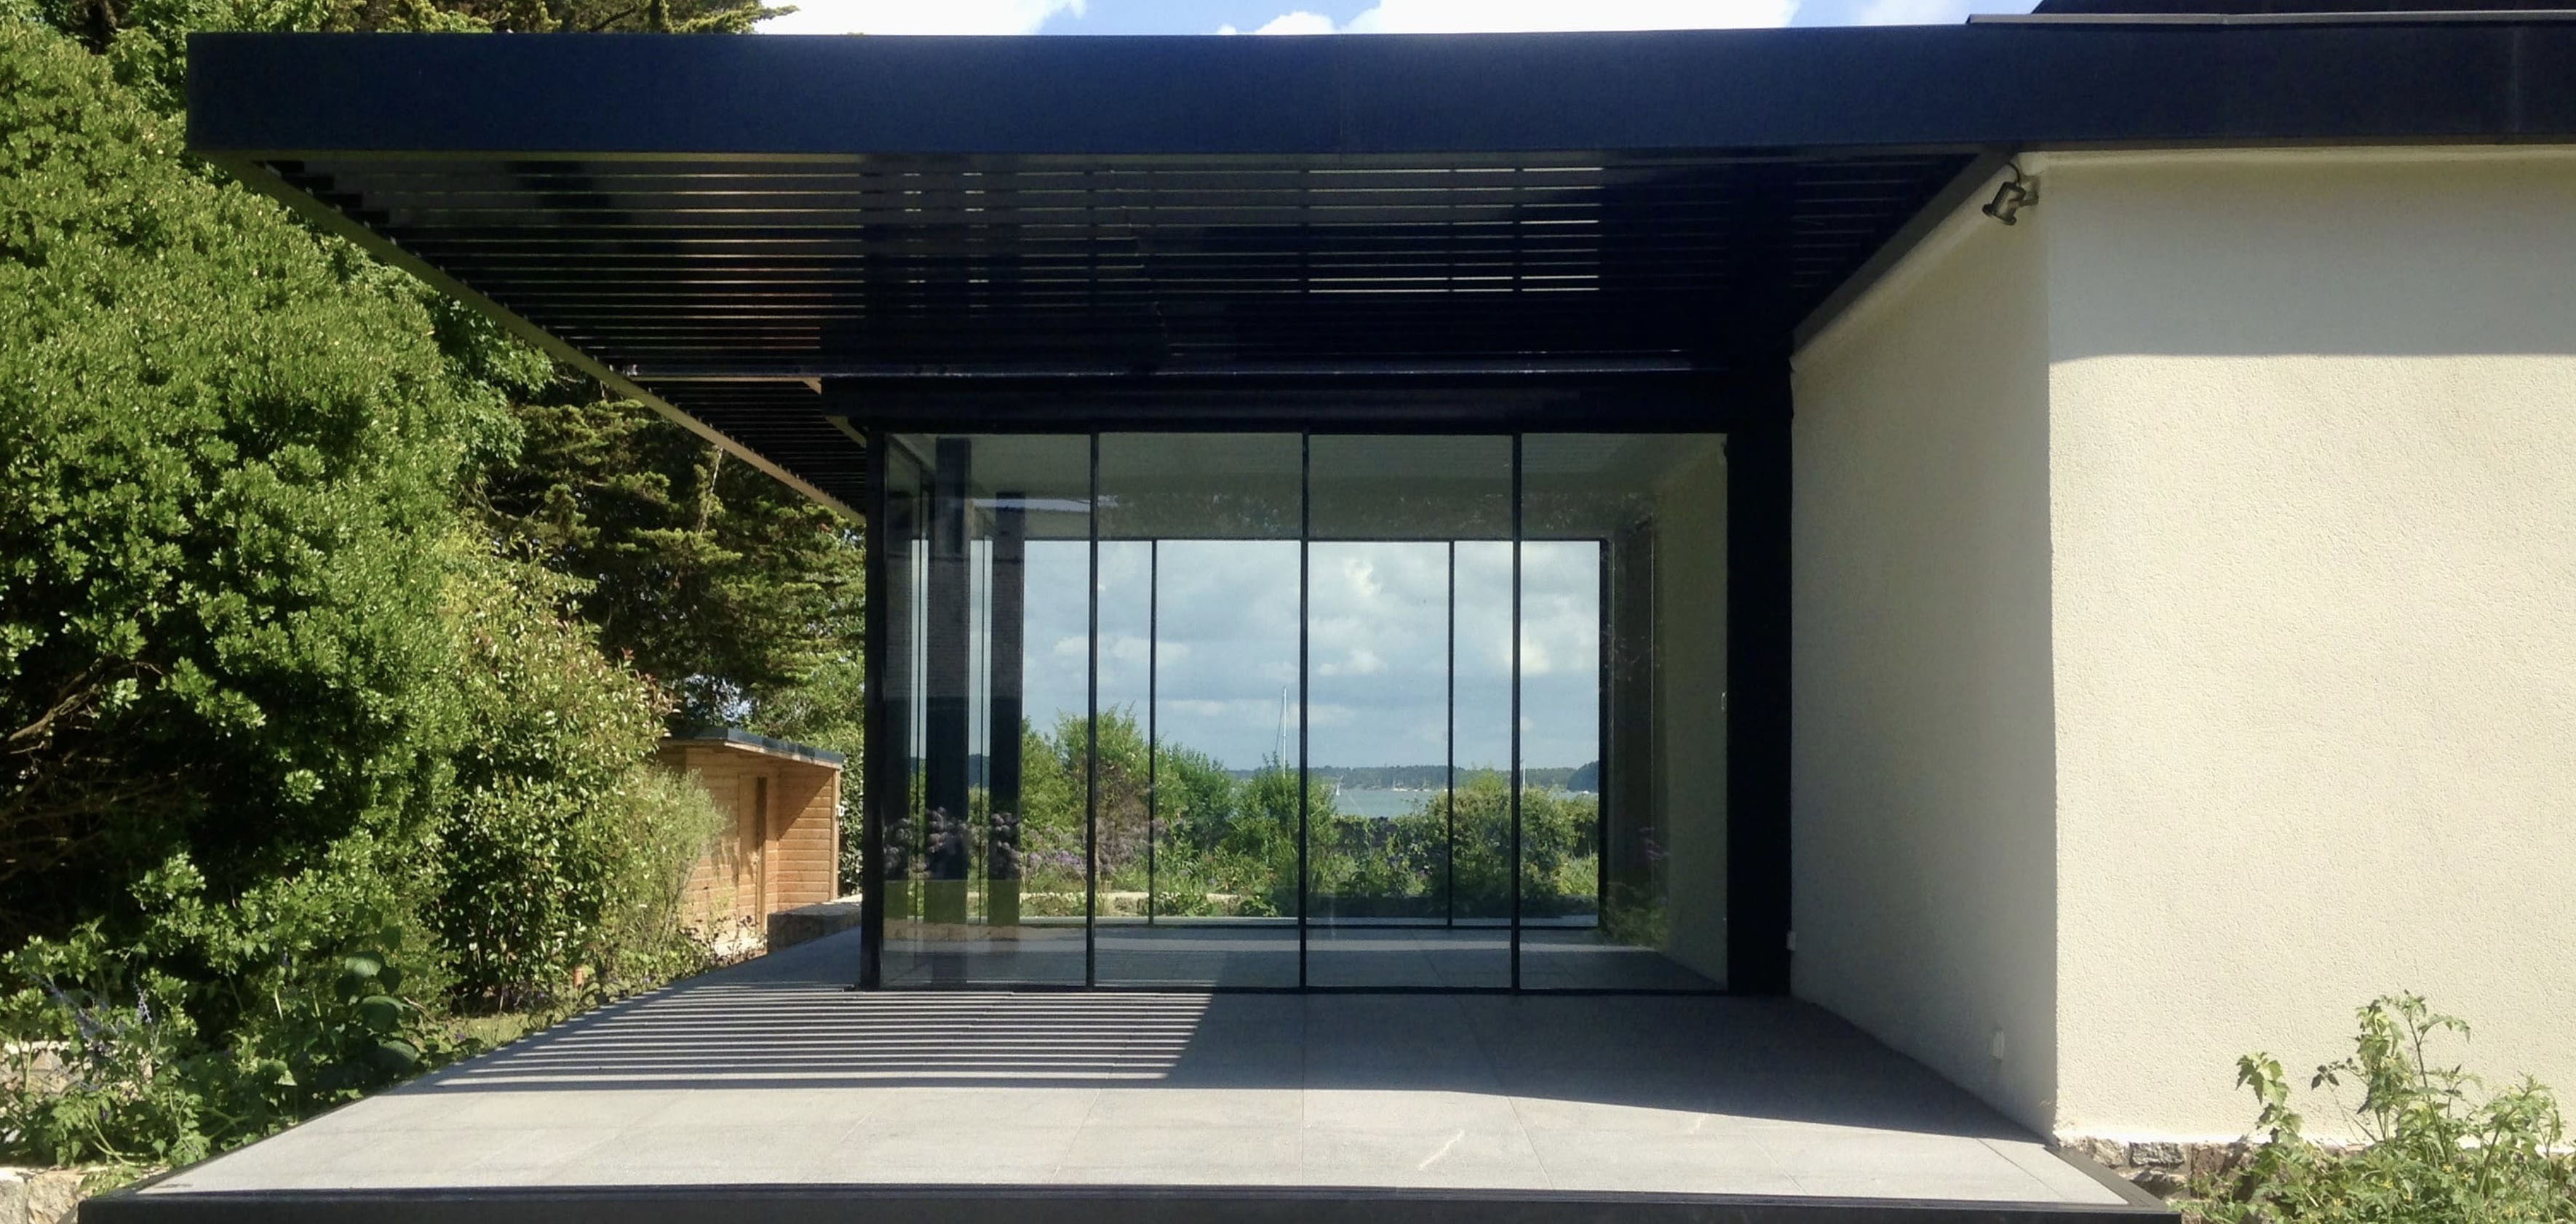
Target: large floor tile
1183	1149
771	1073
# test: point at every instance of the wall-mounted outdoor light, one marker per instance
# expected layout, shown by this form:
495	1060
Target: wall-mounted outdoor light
2013	195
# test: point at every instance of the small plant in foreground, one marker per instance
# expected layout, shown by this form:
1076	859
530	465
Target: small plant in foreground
2436	1149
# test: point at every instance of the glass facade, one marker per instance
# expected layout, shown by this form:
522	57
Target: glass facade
1303	710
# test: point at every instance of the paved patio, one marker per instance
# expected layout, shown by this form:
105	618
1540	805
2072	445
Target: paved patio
771	1074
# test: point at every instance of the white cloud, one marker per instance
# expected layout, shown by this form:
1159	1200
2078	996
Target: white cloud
1918	12
1299	22
914	17
1503	16
1358	661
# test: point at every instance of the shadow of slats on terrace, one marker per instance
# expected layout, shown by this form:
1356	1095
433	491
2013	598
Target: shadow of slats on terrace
819	1035
791	1021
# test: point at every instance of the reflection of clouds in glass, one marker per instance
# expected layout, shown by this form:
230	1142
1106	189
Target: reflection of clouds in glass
1054	683
1355	662
1561	609
1378	636
1380	639
1228	634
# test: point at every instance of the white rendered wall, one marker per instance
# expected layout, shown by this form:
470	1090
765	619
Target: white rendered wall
2303	432
2313	453
1922	791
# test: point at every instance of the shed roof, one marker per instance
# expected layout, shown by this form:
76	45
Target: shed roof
737	739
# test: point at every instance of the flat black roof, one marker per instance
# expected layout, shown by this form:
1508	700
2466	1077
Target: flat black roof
769	232
2133	8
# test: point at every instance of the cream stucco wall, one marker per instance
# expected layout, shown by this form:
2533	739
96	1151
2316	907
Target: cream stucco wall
2305	521
1922	796
2312	442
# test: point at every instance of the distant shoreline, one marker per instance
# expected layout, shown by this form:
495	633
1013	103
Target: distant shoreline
1435	777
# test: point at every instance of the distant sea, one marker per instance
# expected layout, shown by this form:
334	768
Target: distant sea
1380	803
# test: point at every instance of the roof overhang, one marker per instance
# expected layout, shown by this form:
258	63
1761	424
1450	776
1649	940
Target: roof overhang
735	739
773	238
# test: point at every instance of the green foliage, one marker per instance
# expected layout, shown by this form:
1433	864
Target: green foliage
146	40
1224	845
231	449
295	760
641	938
705	573
308	734
540	853
2437	1147
1399	866
113	1033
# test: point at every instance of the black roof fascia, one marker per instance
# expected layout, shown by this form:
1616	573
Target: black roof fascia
2448	8
274	107
1536	402
283	96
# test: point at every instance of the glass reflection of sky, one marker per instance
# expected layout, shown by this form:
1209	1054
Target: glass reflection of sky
1227	649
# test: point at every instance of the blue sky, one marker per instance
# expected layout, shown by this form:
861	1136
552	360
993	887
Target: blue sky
1225	647
1323	16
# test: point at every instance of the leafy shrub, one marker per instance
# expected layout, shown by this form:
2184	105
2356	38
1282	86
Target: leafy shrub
2437	1151
230	448
212	1024
530	853
293	760
641	938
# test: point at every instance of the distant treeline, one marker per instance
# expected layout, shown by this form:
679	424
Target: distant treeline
1584	777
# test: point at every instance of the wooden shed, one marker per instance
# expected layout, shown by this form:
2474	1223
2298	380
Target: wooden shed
782	848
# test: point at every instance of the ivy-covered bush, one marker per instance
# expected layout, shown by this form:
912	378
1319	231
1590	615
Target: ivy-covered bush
2438	1147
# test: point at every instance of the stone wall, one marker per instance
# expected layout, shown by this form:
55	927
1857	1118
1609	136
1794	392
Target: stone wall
2162	1168
39	1196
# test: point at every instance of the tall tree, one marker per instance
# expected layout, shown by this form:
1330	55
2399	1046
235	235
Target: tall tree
146	40
230	448
706	574
729	587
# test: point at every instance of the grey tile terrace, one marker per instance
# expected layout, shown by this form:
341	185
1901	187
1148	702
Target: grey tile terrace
772	1075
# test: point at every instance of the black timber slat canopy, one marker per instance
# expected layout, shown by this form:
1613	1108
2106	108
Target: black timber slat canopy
763	233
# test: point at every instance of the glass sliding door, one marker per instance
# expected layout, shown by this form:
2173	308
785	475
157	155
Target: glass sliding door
1479	811
1561	760
1623	692
1277	710
988	541
1383	838
1200	828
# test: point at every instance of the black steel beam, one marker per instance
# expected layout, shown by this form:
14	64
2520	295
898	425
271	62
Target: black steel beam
884	770
1644	402
947	674
1757	695
1953	87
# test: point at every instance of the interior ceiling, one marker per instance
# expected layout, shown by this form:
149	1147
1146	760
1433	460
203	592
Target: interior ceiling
733	288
